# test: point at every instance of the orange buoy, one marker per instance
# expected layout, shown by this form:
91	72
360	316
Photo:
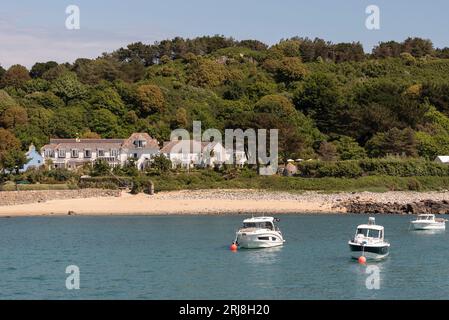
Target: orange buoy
233	247
362	260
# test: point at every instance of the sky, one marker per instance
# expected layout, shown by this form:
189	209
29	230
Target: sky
34	31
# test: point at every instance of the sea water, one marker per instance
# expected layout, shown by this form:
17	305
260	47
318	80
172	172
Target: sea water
188	257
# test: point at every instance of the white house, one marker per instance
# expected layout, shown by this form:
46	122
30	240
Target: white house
442	159
73	153
189	153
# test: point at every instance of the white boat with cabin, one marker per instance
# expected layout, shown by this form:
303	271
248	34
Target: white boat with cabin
259	232
428	222
369	242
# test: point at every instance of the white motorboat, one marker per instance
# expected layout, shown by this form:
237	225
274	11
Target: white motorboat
259	232
369	242
428	222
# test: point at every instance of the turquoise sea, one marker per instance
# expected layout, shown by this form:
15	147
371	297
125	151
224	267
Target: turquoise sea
187	257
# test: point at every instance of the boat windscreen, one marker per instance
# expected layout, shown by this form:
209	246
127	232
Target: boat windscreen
372	233
262	225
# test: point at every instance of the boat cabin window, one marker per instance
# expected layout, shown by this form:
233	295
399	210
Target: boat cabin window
370	233
363	231
262	225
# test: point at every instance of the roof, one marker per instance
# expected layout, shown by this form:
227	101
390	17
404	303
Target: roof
182	146
259	219
370	226
151	143
102	143
442	159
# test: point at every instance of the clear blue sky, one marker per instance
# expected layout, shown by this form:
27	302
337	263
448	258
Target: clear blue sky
32	31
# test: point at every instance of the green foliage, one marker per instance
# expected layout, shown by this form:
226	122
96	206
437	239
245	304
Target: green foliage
151	99
349	149
161	163
67	87
107	98
206	73
15	76
13	160
378	167
348	104
100	168
6	101
393	142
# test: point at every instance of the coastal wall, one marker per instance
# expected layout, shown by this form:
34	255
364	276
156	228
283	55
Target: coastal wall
8	198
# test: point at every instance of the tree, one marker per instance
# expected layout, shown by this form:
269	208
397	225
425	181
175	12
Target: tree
16	76
151	99
109	99
100	168
2	72
104	122
291	69
67	87
206	73
276	105
327	151
6	101
181	118
349	149
161	163
320	97
13	160
47	99
39	68
7	141
13	116
393	142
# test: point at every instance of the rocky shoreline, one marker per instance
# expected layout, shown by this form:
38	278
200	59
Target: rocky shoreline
416	207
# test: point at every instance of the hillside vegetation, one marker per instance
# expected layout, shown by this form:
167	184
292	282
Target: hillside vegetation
329	101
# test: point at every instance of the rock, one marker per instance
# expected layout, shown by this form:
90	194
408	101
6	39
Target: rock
71	213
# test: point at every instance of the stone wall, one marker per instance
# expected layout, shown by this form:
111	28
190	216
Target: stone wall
8	198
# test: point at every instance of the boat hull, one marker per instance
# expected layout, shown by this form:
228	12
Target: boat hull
257	240
371	252
428	226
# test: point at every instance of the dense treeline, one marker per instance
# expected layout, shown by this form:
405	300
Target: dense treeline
330	101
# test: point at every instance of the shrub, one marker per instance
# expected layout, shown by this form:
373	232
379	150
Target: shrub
383	167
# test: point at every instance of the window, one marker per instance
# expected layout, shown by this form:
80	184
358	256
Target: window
140	143
75	153
374	233
114	153
100	152
262	225
370	233
61	153
363	231
49	153
264	238
87	153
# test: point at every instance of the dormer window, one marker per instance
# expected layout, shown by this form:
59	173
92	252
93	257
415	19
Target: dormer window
140	143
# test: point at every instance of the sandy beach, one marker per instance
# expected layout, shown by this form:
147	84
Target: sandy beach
212	202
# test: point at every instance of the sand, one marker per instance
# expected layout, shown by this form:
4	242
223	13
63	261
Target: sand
179	202
213	202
